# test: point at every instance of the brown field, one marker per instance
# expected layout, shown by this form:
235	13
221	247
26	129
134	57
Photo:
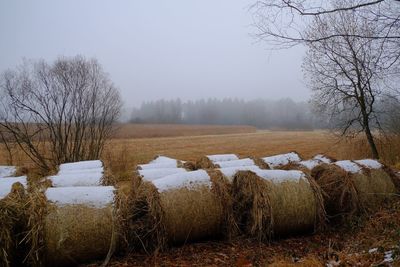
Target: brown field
131	130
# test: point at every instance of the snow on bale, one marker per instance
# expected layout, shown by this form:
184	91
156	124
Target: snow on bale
79	166
176	209
307	165
160	162
71	225
210	161
235	163
351	187
89	177
82	173
279	161
7	171
275	203
13	222
153	174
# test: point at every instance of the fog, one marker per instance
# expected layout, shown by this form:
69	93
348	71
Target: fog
156	49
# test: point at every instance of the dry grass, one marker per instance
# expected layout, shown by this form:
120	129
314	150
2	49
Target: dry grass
78	233
128	131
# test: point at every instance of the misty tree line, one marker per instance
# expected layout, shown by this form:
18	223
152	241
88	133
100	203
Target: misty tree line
283	113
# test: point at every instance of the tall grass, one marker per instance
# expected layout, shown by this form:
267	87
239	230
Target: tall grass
358	148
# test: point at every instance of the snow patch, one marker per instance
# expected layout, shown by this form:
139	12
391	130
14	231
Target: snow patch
162	159
222	157
6	184
283	159
163	165
95	196
310	164
322	158
85	178
183	180
80	165
7	171
369	163
153	174
348	166
235	163
279	176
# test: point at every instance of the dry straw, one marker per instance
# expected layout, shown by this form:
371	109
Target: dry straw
205	163
13	224
264	208
178	215
348	193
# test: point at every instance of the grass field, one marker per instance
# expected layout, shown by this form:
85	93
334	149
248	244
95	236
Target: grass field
123	154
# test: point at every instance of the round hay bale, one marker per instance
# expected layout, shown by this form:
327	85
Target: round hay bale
177	209
71	225
153	174
276	203
235	163
278	161
260	163
160	162
351	190
13	224
210	161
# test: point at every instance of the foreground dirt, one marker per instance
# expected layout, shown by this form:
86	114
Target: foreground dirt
372	240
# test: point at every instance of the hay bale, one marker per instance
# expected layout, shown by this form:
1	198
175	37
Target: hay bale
153	174
79	166
13	224
177	209
89	177
235	163
71	225
276	203
210	161
260	163
160	162
277	161
230	172
350	190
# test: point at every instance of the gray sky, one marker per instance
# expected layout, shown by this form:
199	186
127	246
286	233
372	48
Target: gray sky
155	49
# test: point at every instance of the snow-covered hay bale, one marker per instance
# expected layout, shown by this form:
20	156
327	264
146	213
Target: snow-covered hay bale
153	174
89	177
276	203
80	166
160	162
350	188
279	161
235	163
71	225
7	171
13	224
177	209
211	161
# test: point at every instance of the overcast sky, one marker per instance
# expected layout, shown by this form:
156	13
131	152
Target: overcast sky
156	49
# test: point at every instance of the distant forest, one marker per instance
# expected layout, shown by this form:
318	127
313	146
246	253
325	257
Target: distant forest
264	114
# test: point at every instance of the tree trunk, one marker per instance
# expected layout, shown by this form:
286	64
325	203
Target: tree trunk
371	142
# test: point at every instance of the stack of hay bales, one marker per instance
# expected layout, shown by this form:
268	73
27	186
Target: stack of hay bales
282	160
276	203
13	214
82	173
176	209
352	187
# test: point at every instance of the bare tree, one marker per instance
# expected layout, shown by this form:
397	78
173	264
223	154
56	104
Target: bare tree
284	22
60	112
347	74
